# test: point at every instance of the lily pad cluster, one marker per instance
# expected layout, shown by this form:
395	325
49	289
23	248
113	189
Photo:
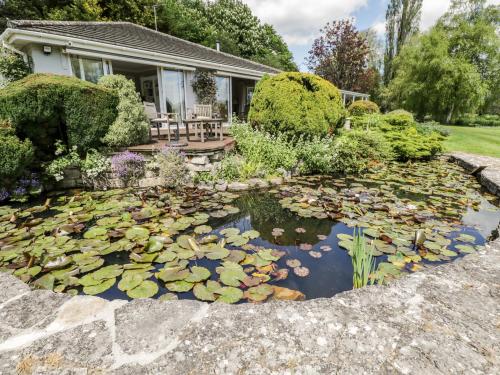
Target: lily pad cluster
390	204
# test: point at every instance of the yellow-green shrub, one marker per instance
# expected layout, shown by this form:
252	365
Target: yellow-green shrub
363	107
296	104
399	117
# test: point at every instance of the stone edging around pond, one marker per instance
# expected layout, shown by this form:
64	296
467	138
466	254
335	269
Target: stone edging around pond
441	320
486	168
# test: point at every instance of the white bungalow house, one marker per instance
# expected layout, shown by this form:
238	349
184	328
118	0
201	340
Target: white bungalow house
161	65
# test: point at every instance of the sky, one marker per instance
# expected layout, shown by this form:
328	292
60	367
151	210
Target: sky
299	21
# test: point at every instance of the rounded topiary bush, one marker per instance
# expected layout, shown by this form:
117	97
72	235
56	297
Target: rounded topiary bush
399	117
296	104
363	107
47	107
131	127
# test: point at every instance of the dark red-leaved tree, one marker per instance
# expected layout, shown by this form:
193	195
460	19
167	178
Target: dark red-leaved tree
340	55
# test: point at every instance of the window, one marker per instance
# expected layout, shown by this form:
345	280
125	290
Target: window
173	88
222	105
86	68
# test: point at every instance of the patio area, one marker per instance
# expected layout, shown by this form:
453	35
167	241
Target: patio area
193	146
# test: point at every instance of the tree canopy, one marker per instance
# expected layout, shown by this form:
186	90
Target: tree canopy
452	69
231	22
340	55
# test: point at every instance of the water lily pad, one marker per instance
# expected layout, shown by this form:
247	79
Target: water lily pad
229	232
198	274
259	293
232	274
229	294
172	273
95	232
108	272
137	233
305	246
344	237
315	254
237	240
216	253
169	297
267	254
202	293
293	263
285	294
45	282
146	289
250	234
131	281
203	229
466	238
301	271
92	290
465	248
179	286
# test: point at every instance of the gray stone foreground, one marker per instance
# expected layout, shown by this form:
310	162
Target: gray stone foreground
443	320
489	177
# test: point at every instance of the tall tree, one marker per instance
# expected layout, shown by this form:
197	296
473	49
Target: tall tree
402	22
340	55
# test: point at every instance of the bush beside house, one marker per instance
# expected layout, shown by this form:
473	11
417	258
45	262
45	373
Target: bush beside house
296	104
46	107
131	126
15	156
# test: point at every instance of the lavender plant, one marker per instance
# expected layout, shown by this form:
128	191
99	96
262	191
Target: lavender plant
128	166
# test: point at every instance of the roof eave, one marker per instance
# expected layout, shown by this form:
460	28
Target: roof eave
14	35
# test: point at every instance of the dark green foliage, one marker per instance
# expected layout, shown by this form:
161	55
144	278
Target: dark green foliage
356	150
363	107
15	156
205	87
296	104
12	66
45	107
409	144
478	120
399	117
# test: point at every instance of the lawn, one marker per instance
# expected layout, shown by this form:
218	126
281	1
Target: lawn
481	141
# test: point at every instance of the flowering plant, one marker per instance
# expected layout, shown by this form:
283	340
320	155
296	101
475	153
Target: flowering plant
129	166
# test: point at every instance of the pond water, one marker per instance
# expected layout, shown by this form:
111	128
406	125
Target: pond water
291	242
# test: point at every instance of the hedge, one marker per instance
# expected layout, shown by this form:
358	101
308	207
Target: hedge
47	107
15	157
363	107
296	104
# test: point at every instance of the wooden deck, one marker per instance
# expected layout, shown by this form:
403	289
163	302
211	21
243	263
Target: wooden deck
193	147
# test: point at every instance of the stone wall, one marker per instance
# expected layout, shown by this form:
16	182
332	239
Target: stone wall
485	168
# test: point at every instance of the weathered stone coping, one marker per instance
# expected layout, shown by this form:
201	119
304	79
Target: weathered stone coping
487	169
443	320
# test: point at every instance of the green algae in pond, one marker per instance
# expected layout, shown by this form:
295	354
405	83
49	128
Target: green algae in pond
222	247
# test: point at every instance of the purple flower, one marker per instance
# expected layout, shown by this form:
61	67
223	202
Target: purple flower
128	165
4	194
19	191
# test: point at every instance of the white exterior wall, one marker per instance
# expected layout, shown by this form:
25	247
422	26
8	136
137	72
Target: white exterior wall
56	62
190	95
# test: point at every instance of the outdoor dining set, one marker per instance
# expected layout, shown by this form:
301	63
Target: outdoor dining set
204	123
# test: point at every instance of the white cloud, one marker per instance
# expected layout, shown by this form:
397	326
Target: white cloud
433	9
299	21
379	28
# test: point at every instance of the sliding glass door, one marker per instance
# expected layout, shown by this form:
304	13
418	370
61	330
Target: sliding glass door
223	95
173	91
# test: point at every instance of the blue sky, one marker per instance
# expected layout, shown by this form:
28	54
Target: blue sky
299	21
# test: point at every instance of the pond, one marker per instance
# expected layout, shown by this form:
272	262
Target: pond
290	242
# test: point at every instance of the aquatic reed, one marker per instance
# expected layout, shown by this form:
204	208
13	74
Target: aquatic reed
363	262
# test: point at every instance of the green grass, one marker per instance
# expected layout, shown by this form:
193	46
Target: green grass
481	141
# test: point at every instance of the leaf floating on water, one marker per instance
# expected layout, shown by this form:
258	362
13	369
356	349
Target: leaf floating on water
130	282
300	230
137	233
202	293
146	289
95	232
293	263
301	271
229	232
259	293
251	234
198	274
466	238
229	294
179	286
315	254
92	290
465	248
169	297
305	246
326	248
322	237
203	229
285	294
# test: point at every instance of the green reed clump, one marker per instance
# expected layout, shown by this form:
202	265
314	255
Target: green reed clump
363	262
